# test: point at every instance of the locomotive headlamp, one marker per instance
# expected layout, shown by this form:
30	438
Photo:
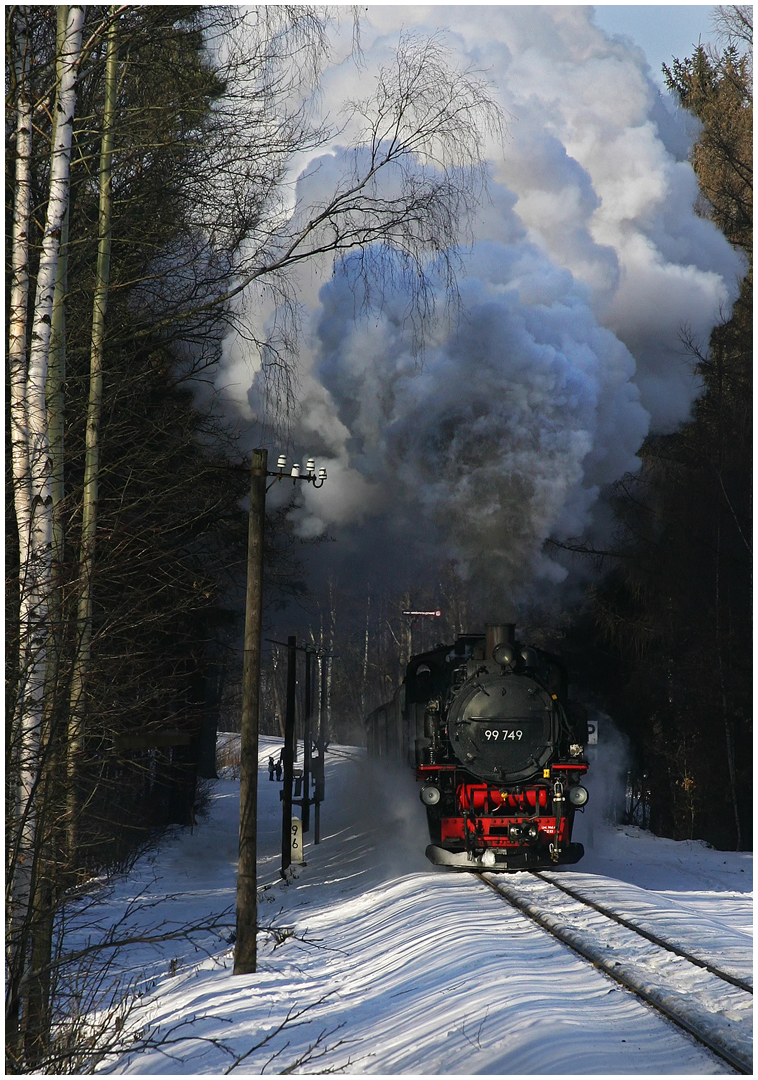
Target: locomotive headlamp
578	795
504	654
430	795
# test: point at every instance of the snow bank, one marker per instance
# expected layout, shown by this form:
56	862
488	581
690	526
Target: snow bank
401	967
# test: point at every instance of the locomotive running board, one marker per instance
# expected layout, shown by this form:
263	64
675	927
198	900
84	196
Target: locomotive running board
461	860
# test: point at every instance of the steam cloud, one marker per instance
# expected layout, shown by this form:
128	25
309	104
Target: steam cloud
586	265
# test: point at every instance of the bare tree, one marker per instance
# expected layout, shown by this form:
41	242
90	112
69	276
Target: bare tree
734	24
197	248
94	410
31	463
414	174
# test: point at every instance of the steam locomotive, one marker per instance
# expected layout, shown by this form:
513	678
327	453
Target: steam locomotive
498	749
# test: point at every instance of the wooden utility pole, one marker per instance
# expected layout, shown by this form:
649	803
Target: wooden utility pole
245	952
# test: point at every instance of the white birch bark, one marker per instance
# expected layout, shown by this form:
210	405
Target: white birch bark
19	300
365	654
18	890
33	488
55	401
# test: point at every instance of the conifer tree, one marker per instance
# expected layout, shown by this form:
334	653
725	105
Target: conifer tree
673	616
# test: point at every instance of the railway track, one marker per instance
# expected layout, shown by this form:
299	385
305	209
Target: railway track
725	976
346	752
697	996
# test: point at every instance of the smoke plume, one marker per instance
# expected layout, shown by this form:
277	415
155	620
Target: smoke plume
586	264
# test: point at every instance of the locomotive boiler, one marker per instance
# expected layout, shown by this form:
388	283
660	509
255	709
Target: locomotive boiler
498	750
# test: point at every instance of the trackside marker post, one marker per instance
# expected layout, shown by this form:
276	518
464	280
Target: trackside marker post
296	850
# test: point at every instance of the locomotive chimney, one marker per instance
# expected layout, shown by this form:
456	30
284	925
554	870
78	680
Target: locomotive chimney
497	634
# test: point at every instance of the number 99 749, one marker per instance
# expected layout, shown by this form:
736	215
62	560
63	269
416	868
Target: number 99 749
501	734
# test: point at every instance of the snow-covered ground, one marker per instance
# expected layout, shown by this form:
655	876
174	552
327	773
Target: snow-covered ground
388	965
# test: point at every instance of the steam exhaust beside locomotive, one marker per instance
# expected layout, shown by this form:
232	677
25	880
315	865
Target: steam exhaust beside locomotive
498	748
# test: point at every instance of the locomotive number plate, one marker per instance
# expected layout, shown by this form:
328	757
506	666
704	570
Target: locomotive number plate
501	734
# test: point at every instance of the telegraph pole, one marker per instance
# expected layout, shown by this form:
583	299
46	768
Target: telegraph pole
245	953
245	950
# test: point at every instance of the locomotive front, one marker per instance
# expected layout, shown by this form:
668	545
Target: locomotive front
502	753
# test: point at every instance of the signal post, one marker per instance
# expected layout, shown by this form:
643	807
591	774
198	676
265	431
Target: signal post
313	768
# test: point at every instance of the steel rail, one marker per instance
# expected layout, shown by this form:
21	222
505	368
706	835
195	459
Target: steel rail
603	910
652	996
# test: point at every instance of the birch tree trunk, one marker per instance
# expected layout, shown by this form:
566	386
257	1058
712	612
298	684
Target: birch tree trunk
18	313
17	363
329	672
364	673
37	982
92	451
277	697
32	466
34	513
55	403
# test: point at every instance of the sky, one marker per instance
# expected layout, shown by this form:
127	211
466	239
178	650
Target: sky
663	31
582	268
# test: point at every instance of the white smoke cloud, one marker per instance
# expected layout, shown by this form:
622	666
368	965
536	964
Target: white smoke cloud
586	265
504	435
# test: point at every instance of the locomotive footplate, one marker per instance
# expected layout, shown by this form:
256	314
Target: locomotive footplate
498	860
